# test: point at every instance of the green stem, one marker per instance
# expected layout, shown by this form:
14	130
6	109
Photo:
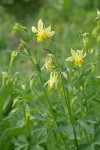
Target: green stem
46	96
69	110
77	41
85	101
86	135
98	101
28	129
66	97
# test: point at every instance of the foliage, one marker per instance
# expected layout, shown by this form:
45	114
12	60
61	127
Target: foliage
53	105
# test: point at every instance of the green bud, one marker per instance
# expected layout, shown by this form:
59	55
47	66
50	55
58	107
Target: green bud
27	116
13	56
23	87
85	40
31	83
16	101
4	78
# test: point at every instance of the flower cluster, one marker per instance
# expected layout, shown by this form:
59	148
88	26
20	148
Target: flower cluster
77	56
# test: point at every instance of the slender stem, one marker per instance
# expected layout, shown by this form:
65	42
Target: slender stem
28	129
69	110
86	135
66	97
85	101
77	41
48	102
98	101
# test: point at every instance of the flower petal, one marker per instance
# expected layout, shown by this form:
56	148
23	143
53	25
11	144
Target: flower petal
34	30
70	59
46	83
74	54
48	29
80	53
84	55
40	25
50	34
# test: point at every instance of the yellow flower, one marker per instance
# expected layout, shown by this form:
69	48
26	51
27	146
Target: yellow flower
42	32
77	57
53	80
48	64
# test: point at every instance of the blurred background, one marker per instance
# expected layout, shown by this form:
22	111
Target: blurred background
69	18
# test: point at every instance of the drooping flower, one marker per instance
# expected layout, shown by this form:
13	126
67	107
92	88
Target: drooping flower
48	64
42	32
77	57
53	80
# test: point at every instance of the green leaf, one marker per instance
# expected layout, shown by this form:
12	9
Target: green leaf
97	137
4	125
86	147
21	143
37	147
48	51
24	45
4	93
9	134
38	67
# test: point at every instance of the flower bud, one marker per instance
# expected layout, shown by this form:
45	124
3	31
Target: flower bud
4	78
85	40
27	116
13	56
23	87
16	101
31	83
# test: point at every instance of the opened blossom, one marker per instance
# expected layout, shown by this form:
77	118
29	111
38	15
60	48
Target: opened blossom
53	80
48	64
77	57
42	32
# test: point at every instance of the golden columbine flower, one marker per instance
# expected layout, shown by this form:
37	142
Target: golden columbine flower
42	32
13	56
48	64
77	57
53	80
